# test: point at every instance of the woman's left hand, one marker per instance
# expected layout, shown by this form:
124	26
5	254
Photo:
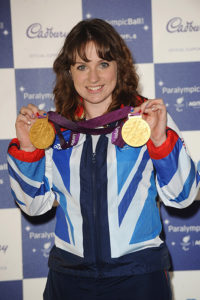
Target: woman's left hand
154	112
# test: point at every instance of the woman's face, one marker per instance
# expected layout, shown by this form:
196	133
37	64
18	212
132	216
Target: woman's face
95	80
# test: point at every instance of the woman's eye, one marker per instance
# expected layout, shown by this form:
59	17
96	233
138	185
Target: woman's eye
104	64
81	67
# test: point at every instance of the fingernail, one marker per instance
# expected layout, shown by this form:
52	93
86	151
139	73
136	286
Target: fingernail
29	123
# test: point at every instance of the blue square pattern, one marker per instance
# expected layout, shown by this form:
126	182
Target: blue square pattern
6	199
37	241
11	290
182	235
35	86
178	85
132	19
6	52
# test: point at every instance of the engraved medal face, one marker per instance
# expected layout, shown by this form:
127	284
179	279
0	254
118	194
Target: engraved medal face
136	131
42	134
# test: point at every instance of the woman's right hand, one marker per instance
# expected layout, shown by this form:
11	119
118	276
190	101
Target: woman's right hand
25	119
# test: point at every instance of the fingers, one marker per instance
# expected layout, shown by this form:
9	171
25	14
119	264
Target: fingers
151	106
31	110
26	115
24	118
29	113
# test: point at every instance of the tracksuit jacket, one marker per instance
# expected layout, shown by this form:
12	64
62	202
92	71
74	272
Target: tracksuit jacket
107	221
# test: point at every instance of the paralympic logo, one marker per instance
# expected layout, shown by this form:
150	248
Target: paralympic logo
186	243
177	24
36	30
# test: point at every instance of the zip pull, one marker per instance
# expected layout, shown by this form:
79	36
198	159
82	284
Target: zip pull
94	157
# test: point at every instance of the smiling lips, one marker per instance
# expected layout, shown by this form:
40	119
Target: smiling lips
94	88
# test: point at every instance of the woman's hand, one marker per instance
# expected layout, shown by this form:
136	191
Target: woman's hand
155	114
25	120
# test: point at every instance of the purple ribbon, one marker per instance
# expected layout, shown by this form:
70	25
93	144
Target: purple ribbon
112	120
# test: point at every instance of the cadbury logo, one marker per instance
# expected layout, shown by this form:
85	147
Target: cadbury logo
36	30
178	25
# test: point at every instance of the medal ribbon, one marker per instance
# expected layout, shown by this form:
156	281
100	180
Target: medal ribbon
113	121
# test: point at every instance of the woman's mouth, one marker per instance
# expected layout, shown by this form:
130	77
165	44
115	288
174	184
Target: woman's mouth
94	88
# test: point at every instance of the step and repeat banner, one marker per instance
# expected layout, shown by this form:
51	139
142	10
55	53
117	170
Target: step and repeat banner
164	37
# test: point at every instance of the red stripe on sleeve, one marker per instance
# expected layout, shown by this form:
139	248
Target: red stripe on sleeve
14	151
165	149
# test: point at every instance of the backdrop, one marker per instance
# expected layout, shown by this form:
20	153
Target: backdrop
164	37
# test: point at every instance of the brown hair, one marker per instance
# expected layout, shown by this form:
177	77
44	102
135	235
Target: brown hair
110	46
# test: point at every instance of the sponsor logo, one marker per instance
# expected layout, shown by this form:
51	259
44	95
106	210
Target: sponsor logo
129	37
46	249
184	228
35	96
40	235
129	22
188	240
179	104
177	24
57	146
125	22
36	30
40	97
185	242
194	104
180	90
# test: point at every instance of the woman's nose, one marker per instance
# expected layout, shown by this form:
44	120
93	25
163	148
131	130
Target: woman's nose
93	75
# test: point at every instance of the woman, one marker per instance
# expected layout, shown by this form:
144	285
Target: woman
107	236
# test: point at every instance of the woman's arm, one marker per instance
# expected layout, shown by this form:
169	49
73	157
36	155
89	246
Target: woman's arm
31	179
30	169
176	174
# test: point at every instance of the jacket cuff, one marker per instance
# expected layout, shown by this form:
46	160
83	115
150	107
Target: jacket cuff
166	148
14	150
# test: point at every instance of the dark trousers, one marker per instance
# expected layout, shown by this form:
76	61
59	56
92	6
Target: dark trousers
151	286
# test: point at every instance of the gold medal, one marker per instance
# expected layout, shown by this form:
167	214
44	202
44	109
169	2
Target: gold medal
136	131
42	134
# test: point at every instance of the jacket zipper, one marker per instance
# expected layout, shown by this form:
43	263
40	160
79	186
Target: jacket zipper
94	192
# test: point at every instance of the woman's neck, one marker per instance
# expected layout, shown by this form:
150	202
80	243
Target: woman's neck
92	114
94	110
